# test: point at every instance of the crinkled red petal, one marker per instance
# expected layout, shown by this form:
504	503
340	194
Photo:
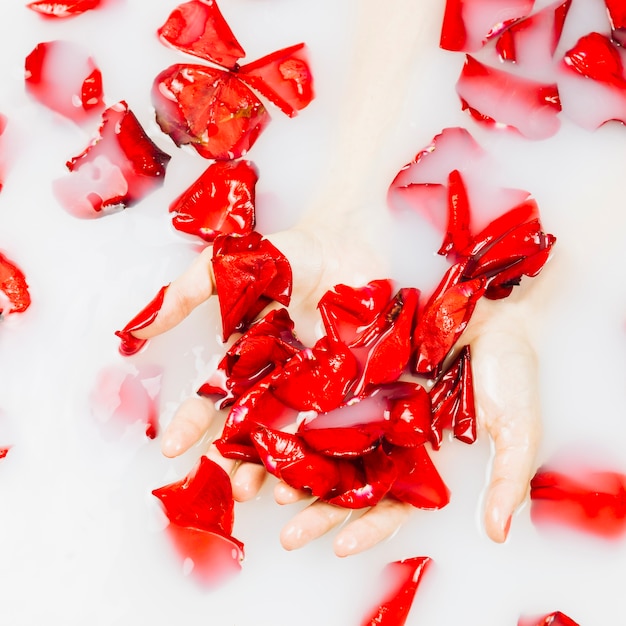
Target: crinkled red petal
284	77
256	407
409	415
443	319
553	619
534	39
63	76
345	441
452	398
468	24
268	343
617	16
588	500
202	500
422	184
199	28
385	347
129	344
249	273
63	9
418	482
14	293
501	99
209	109
317	379
346	311
221	200
457	233
118	168
596	57
400	581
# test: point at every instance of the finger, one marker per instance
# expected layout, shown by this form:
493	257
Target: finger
377	524
189	424
286	494
313	522
182	296
247	481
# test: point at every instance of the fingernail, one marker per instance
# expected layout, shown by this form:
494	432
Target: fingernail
129	344
171	445
345	545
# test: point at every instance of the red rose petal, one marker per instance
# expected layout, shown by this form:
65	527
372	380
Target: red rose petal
418	482
249	273
284	77
400	580
444	318
221	200
616	10
199	28
553	619
532	41
457	233
468	24
64	77
452	398
502	99
317	379
585	499
14	294
409	410
118	168
4	451
596	57
129	344
209	109
69	8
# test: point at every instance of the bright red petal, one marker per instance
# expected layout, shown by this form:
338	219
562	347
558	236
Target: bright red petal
400	581
221	200
63	76
199	28
209	109
118	168
617	16
457	233
284	77
69	8
553	619
14	294
499	98
409	415
468	24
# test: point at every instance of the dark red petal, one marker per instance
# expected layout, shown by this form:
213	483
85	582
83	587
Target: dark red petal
14	294
202	500
553	619
249	273
258	406
385	348
317	379
418	481
221	200
499	98
284	77
468	24
534	39
409	415
588	500
616	10
210	109
117	169
452	398
63	76
400	581
346	311
290	459
457	233
596	57
443	319
63	9
199	28
129	344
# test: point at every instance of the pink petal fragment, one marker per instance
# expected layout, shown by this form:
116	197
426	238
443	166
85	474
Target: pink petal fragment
199	28
70	8
468	24
500	99
14	293
64	77
400	580
117	169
